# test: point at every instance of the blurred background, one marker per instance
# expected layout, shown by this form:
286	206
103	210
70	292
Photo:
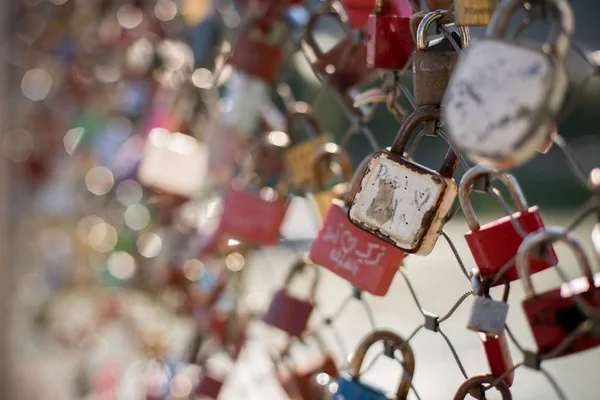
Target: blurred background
101	282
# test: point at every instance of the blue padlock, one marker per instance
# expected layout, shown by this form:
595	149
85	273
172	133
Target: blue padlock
351	388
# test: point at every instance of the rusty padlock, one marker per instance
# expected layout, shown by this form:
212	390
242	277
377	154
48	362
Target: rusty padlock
400	201
298	381
554	315
289	313
301	153
351	388
344	65
322	197
260	52
390	44
364	260
474	12
494	244
474	387
433	65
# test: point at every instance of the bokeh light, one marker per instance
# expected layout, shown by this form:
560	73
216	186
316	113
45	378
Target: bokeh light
149	244
137	216
121	265
17	145
99	180
36	84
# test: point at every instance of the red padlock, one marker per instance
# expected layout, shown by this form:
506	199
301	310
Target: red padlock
209	386
355	255
358	12
390	43
345	64
554	315
253	215
260	51
298	382
496	243
498	356
289	313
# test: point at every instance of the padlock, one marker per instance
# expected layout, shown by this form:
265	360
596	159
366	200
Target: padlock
400	201
433	65
298	382
301	153
173	163
287	312
344	65
554	315
253	214
494	244
390	43
474	12
364	260
351	388
498	355
321	199
474	387
209	386
358	12
488	315
503	97
260	54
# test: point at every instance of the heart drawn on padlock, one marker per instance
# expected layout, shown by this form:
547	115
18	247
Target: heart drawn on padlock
348	242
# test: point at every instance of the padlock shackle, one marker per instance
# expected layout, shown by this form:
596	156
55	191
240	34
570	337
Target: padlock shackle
309	37
388	337
486	284
297	268
357	178
478	171
328	153
544	237
559	42
302	111
430	18
408	128
477	381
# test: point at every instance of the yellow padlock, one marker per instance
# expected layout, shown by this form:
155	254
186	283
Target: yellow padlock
299	156
330	154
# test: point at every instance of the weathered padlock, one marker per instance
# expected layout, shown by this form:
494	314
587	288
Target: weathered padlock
474	387
344	65
400	201
362	259
209	386
488	315
301	153
298	382
259	53
494	244
474	12
287	312
503	97
554	315
390	43
253	213
433	66
351	388
498	355
323	196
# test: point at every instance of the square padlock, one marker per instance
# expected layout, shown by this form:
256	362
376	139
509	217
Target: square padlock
401	202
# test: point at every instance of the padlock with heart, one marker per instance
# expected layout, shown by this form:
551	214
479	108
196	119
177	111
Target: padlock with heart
558	313
493	245
400	201
504	95
364	260
350	386
287	312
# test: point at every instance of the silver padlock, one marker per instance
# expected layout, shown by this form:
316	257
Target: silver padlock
488	315
504	95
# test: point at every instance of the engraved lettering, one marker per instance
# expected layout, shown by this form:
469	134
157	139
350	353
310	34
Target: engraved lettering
421	198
